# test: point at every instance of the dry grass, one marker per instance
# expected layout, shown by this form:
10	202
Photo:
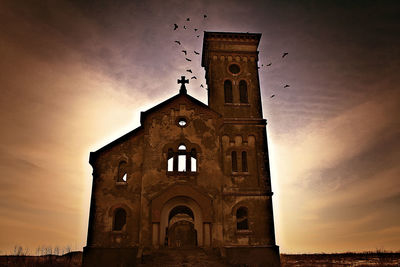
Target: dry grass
71	259
363	259
45	257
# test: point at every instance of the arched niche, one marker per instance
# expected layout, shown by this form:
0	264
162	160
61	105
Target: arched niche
225	141
251	140
238	140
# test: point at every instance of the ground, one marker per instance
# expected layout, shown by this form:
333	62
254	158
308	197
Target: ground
381	259
210	258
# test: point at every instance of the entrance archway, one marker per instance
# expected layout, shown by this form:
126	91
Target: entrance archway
187	213
200	204
180	231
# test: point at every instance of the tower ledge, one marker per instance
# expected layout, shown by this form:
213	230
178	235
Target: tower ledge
211	39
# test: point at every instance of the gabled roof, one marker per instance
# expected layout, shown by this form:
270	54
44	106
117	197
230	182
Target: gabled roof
143	117
144	114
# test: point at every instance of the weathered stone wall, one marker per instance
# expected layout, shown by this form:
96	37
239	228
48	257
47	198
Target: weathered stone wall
243	131
109	194
161	133
219	54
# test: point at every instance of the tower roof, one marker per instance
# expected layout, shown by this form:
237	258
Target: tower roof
240	38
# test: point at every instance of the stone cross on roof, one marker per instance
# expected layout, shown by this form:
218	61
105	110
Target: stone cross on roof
182	81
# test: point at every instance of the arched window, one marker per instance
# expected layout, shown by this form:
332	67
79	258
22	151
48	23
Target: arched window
193	160
170	159
182	160
244	161
242	222
243	92
228	91
182	147
119	219
122	172
234	161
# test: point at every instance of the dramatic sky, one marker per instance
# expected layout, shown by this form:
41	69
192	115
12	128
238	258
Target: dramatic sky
74	75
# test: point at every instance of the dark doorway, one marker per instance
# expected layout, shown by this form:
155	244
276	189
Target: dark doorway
181	232
182	235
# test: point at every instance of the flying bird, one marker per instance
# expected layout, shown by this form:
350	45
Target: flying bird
189	70
188	59
179	43
286	86
284	54
194	77
272	96
184	51
205	16
197	53
188	19
201	85
269	64
175	26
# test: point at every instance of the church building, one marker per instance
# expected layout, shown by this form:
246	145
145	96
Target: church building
191	175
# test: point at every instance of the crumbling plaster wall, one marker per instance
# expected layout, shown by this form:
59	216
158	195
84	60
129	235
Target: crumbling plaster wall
249	189
161	133
110	194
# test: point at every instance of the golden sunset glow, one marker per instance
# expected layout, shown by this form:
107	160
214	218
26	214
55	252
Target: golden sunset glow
75	75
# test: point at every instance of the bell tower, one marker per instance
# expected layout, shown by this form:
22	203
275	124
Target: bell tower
230	62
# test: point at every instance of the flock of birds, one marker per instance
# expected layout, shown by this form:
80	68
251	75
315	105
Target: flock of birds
269	64
187	53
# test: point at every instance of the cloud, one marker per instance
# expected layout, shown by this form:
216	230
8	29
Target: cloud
75	74
327	171
322	145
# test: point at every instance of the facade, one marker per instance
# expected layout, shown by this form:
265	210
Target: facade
192	175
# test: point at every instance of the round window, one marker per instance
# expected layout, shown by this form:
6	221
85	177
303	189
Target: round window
182	122
234	68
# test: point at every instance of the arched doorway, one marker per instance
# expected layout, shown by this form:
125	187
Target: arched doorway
180	231
200	214
186	213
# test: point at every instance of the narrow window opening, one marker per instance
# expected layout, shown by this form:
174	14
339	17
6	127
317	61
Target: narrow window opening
242	222
193	160
228	91
171	164
122	172
170	161
244	161
243	92
181	163
234	162
193	164
182	158
119	219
